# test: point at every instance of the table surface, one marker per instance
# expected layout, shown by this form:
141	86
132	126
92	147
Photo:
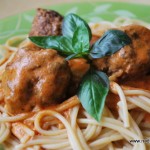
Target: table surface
10	7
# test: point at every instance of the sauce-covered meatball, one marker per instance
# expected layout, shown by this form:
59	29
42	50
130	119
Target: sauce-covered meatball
35	77
47	23
79	67
132	60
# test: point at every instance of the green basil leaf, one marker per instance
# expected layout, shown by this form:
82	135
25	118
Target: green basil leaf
93	91
109	43
59	43
74	42
71	57
80	41
71	22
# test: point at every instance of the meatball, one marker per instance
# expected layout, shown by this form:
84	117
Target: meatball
46	22
49	23
35	77
79	67
132	60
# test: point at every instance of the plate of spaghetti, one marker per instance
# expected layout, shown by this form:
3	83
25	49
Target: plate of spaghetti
76	78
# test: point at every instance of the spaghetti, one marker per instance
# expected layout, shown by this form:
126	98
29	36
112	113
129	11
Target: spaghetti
68	126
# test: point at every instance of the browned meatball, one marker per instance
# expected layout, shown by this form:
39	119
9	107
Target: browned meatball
132	60
35	77
46	22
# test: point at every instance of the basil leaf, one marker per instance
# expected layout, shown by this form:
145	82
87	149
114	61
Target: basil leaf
59	43
93	91
109	43
71	22
80	41
74	42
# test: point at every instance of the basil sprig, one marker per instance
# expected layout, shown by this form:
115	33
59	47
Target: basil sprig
75	42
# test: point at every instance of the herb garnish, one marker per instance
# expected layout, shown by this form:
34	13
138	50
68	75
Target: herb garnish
75	43
93	91
109	43
75	39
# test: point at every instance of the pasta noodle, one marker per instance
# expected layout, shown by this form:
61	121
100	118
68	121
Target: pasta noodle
68	126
